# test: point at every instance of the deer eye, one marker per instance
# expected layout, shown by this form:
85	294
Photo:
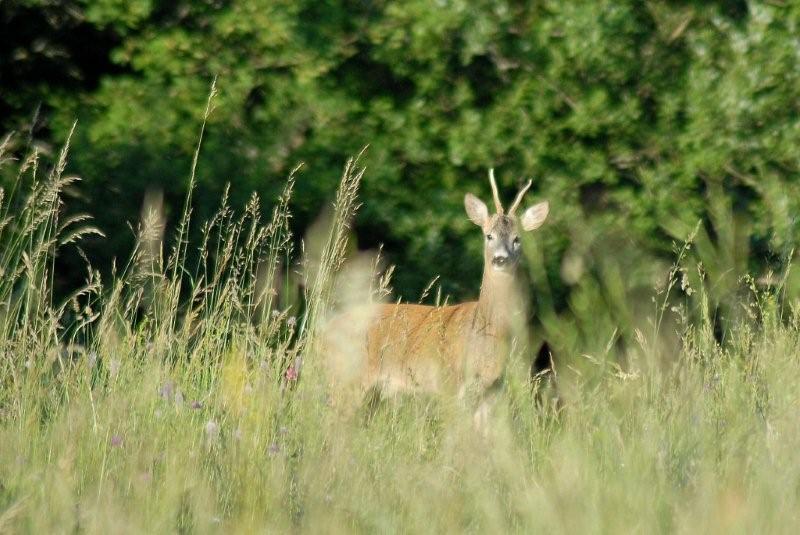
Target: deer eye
516	241
489	237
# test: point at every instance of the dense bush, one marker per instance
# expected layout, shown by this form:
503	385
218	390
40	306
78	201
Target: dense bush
636	119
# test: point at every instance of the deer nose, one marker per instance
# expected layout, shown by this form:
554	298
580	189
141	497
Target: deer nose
499	260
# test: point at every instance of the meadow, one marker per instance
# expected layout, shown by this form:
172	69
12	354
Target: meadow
187	396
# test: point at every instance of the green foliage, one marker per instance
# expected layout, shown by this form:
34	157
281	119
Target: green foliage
632	117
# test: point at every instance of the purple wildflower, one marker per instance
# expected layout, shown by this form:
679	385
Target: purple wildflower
291	374
116	441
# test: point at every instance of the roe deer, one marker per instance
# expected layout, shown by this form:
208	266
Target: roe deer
459	348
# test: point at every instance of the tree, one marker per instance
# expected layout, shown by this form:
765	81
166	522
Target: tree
629	116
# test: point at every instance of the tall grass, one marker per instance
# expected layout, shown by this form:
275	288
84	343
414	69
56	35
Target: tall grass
169	398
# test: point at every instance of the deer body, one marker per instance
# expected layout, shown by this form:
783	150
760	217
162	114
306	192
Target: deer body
460	348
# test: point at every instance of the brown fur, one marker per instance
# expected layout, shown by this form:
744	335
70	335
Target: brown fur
459	348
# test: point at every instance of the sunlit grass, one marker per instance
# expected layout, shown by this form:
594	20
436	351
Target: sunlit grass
189	398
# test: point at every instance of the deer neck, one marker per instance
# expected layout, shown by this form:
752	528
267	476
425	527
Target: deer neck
497	298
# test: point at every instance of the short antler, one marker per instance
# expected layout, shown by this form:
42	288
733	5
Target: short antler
520	195
495	194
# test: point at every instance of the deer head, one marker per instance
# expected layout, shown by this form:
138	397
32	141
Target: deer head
501	230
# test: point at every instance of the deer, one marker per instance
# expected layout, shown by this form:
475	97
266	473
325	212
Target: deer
463	348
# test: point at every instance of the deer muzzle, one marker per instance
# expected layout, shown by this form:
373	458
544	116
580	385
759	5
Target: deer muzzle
500	260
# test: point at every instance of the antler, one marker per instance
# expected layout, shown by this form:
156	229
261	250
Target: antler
519	197
495	194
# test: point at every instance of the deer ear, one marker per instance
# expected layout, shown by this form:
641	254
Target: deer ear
476	209
533	217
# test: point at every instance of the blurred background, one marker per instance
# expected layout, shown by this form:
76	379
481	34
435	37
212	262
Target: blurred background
636	120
